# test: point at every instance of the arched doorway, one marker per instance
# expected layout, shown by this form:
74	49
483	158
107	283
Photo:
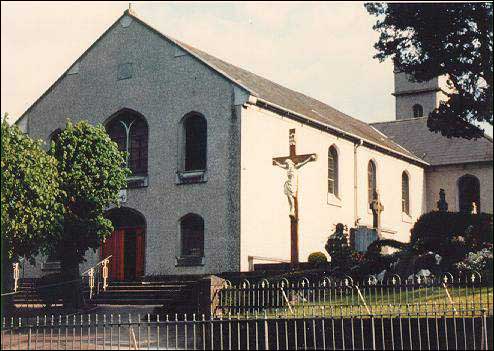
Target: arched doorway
468	193
126	244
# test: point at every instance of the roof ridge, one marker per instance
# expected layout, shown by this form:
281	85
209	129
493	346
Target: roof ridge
399	120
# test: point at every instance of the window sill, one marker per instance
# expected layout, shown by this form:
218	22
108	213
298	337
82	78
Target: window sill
334	200
189	261
406	218
134	182
191	177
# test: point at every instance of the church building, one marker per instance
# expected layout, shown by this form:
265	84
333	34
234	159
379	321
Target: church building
215	152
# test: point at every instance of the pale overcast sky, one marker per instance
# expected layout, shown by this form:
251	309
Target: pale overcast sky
321	49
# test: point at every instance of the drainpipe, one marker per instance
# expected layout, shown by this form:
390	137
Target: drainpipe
355	180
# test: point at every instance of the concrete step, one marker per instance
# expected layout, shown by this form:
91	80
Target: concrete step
132	301
147	287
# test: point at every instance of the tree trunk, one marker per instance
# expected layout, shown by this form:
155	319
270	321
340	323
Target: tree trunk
69	267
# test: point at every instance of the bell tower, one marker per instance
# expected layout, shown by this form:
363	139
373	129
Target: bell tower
415	100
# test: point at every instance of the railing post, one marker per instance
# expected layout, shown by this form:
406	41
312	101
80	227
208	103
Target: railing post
373	328
105	274
91	282
15	267
484	345
266	331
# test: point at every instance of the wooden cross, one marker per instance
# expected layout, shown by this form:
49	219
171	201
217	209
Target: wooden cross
291	188
377	207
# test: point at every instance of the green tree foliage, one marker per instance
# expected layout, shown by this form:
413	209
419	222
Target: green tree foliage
92	171
454	39
30	212
30	189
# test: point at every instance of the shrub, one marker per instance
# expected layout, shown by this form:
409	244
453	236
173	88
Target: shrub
451	234
317	258
480	261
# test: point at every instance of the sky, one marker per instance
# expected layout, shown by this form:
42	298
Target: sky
322	49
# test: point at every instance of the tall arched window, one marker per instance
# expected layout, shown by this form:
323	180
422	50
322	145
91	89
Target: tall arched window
468	193
418	111
195	142
371	181
130	131
55	135
192	235
333	171
405	193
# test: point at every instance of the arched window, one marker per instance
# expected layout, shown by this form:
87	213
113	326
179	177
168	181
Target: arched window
371	181
405	193
55	135
418	111
192	235
468	193
195	142
333	171
130	131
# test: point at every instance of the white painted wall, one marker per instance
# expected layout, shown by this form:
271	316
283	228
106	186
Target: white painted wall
265	225
446	177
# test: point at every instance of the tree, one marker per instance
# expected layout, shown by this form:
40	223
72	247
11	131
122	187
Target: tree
92	171
30	189
455	39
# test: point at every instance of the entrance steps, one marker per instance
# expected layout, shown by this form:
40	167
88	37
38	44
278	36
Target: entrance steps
29	294
172	291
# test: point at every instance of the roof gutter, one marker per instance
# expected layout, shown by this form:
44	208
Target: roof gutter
354	138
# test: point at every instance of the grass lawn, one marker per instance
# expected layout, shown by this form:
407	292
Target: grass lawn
430	301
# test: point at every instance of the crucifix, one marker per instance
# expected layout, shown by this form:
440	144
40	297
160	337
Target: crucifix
377	207
292	163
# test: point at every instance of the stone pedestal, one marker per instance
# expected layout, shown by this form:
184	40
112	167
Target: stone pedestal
208	295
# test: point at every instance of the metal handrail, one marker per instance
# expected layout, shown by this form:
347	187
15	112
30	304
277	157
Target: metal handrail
94	270
96	265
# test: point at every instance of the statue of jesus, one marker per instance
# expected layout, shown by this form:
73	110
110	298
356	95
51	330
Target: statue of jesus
291	184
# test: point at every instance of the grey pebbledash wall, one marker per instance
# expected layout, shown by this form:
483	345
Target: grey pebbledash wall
164	84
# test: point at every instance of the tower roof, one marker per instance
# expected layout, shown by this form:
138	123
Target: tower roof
434	148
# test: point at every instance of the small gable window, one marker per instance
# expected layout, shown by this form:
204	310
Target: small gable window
418	111
405	193
124	71
333	171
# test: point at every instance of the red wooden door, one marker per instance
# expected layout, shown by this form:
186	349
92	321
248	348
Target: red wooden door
140	252
114	246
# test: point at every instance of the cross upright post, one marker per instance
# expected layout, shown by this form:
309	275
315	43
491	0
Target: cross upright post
377	208
292	163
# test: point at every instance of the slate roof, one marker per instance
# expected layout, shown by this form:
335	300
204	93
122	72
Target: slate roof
292	101
277	96
434	148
